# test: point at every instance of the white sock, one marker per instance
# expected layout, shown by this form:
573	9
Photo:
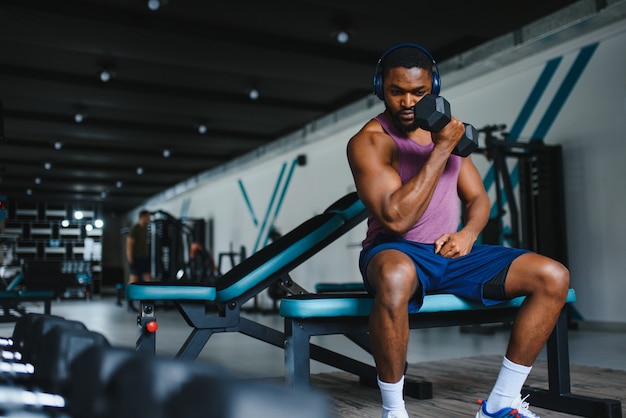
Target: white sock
508	385
392	394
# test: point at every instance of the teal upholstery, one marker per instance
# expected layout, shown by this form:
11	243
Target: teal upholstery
337	305
169	291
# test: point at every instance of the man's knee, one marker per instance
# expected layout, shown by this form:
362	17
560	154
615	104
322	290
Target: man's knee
395	282
555	280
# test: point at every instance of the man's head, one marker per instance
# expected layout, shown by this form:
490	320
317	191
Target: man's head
404	74
405	55
144	217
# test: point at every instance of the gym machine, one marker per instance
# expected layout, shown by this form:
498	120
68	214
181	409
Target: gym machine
538	223
172	241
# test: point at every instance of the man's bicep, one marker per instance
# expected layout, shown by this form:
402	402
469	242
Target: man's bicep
470	183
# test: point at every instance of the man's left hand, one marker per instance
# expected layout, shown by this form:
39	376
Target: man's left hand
454	245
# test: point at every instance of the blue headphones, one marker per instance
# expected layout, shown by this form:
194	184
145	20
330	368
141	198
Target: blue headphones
378	73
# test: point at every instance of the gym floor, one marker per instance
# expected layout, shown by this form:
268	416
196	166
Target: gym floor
589	344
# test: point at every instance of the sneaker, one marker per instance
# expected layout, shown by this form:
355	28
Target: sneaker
396	413
521	411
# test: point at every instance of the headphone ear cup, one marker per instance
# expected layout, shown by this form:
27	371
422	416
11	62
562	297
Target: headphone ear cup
436	83
378	85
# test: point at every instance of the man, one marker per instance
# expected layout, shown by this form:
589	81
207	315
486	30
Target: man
411	184
137	250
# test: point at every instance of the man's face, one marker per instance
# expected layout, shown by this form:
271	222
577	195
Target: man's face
403	88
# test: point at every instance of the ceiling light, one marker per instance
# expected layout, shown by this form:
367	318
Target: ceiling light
119	184
47	165
139	171
202	129
103	195
155	4
88	227
65	223
105	75
98	223
37	180
166	153
78	214
343	37
79	117
29	191
253	94
58	145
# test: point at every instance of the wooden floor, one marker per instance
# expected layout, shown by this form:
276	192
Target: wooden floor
458	383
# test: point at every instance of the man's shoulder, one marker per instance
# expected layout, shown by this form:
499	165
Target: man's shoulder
370	132
133	229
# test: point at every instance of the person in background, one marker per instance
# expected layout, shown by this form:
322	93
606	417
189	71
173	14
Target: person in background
138	251
413	187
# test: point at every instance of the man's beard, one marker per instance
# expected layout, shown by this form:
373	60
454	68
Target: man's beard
402	127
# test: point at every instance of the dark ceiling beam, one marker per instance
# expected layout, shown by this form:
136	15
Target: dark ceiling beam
146	95
18	123
97	158
146	21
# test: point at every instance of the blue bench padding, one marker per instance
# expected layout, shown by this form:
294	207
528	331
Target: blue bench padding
25	294
330	224
169	291
337	305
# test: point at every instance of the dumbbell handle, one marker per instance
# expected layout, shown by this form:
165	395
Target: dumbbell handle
432	113
468	143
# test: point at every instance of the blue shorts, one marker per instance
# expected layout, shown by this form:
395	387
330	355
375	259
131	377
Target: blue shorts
462	276
140	266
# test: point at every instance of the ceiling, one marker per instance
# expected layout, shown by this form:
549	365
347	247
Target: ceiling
193	63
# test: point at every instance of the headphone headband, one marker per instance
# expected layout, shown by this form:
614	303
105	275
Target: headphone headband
378	72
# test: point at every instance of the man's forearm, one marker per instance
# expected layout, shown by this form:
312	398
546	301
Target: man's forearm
476	216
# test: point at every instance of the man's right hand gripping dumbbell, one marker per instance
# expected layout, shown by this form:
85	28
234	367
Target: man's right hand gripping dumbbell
432	113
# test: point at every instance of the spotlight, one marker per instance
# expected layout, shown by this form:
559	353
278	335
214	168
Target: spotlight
103	195
29	191
166	153
47	165
105	75
37	180
253	94
78	214
98	223
202	129
88	227
343	37
79	117
139	171
58	145
155	5
65	223
119	184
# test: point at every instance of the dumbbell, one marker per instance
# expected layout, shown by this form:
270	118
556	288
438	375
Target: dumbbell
432	113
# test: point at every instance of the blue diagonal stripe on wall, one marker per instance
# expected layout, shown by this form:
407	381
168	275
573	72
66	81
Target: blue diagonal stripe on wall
583	58
248	203
269	208
527	110
552	112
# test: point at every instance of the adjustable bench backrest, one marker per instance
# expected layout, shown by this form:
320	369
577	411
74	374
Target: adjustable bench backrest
274	261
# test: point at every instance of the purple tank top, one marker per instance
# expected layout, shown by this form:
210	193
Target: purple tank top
444	211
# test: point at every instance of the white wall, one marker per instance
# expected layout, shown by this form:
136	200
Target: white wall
591	126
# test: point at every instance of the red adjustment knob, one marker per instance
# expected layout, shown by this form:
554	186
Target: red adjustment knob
152	326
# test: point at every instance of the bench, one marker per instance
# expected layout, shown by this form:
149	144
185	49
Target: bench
309	315
12	297
210	309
